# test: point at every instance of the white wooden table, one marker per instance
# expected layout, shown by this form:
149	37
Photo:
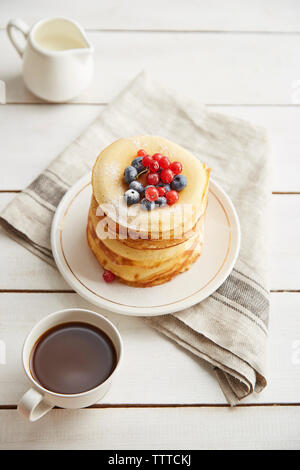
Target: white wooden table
241	58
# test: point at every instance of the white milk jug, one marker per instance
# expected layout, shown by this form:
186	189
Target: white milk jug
57	57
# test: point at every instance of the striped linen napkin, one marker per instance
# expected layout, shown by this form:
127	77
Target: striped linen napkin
229	329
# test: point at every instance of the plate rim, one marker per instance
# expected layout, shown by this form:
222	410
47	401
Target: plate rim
83	291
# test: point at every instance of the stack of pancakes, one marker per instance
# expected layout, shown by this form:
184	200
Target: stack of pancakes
144	248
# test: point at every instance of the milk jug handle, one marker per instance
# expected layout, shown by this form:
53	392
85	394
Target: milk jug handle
21	26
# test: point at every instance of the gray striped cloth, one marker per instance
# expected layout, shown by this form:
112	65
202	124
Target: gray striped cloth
229	329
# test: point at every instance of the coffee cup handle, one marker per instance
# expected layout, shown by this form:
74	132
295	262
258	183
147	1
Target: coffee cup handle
33	405
21	26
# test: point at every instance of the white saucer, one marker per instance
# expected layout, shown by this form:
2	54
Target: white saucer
81	270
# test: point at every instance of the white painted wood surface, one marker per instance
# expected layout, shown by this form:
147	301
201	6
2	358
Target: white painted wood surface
155	370
33	150
244	54
284	252
200	15
156	428
200	65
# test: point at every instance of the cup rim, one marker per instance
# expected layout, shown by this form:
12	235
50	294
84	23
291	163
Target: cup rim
71	395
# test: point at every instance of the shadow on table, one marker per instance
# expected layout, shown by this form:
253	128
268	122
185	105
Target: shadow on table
16	91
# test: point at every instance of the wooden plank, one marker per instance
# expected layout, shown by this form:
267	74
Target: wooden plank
22	268
257	15
282	126
25	270
284	242
284	252
42	133
154	370
45	130
265	66
168	428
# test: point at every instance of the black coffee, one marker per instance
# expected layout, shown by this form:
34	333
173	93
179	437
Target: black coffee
72	358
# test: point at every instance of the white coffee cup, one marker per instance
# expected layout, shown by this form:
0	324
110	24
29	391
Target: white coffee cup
37	401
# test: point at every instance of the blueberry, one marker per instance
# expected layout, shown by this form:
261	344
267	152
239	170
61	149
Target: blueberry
147	205
161	201
164	185
138	164
130	174
179	182
137	186
131	197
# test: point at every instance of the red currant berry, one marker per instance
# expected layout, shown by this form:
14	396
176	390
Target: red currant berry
141	153
153	178
164	163
167	176
151	194
154	166
176	167
108	276
161	191
157	157
147	159
172	197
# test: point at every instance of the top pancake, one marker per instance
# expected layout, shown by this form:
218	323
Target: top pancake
109	186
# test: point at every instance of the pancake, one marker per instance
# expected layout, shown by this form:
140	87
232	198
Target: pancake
137	242
144	248
109	186
139	275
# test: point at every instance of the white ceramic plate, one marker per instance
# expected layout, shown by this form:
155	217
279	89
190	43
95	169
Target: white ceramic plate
81	270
